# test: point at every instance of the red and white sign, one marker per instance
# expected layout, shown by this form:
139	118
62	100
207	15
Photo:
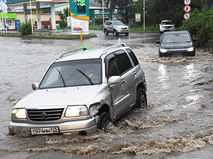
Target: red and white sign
186	16
187	2
187	9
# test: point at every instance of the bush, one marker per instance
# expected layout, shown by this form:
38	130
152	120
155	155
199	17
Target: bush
26	29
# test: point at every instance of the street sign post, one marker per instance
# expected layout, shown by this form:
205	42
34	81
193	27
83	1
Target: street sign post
187	2
187	9
186	16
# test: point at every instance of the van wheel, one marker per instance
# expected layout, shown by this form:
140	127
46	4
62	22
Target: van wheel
105	32
104	120
141	100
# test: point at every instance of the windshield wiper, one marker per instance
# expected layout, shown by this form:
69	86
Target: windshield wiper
61	78
89	79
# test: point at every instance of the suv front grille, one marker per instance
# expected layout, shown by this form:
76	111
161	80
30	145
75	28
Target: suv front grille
44	114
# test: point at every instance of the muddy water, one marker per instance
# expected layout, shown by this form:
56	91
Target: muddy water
177	123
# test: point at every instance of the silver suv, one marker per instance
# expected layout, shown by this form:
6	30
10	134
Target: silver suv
116	27
166	25
82	91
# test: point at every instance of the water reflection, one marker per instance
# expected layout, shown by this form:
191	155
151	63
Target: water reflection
190	72
163	76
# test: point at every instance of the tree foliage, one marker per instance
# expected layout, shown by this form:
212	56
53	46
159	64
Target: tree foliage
124	8
63	16
200	25
26	29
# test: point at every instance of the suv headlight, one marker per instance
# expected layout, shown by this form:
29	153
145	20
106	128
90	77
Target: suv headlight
73	111
19	113
190	49
163	50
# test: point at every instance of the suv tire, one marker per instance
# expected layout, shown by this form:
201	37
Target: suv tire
141	100
115	32
104	120
106	32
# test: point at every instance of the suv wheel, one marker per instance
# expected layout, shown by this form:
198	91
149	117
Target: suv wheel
105	32
115	32
104	120
126	34
141	100
160	55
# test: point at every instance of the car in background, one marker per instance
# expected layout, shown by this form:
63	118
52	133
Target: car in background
166	25
82	91
116	27
176	43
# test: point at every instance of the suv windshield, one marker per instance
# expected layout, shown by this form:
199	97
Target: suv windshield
176	38
167	23
118	23
73	73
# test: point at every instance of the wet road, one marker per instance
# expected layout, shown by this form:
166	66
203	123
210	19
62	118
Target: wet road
177	123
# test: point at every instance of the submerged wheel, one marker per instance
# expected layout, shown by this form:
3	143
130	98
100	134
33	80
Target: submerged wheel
115	32
104	120
141	100
105	32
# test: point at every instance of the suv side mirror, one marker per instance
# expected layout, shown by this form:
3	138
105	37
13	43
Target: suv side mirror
35	86
114	80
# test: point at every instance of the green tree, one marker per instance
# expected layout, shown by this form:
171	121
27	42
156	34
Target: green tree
200	25
26	29
63	16
124	8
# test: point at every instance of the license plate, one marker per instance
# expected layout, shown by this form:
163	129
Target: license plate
40	131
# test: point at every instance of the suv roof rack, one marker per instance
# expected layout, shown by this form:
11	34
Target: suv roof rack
114	46
64	54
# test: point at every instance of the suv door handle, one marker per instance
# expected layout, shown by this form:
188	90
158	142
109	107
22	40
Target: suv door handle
134	73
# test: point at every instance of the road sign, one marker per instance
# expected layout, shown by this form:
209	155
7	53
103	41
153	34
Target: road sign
186	16
187	2
137	17
187	9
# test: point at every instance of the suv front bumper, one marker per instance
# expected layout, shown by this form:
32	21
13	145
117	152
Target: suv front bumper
122	31
87	126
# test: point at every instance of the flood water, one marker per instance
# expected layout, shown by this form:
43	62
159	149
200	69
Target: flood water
177	123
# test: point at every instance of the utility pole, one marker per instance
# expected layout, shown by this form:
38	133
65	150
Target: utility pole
103	10
144	10
31	17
